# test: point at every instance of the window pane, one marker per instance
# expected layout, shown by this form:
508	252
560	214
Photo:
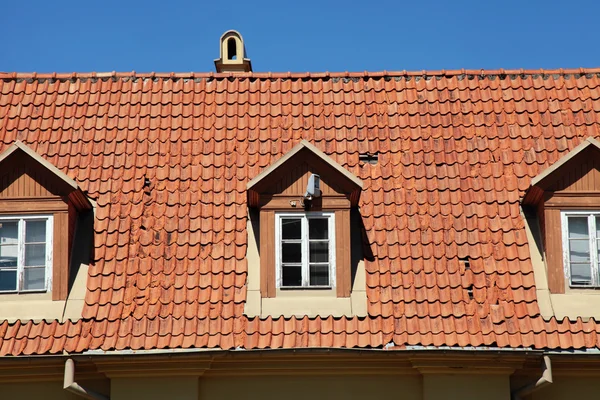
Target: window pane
319	275
291	276
317	228
9	238
291	228
9	232
35	231
291	252
8	256
35	254
319	251
579	250
578	227
8	280
581	273
34	278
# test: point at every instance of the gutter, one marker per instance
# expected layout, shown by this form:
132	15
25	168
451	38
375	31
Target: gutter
388	349
70	385
543	381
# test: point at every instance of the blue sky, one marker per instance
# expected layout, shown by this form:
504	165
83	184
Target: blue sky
299	36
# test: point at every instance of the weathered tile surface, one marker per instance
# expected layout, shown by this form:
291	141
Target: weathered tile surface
167	158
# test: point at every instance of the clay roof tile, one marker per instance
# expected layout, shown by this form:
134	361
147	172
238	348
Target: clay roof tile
168	159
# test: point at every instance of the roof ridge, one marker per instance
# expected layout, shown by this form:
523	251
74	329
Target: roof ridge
295	75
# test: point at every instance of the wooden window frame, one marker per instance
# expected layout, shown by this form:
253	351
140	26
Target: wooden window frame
21	251
304	217
268	267
552	224
592	242
62	235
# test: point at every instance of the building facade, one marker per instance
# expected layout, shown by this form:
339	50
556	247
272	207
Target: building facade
427	235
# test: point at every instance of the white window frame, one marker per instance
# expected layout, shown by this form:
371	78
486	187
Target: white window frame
305	216
593	243
21	251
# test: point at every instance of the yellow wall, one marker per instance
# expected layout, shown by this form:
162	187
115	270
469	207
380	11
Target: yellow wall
348	387
313	388
466	387
42	390
567	388
51	390
155	388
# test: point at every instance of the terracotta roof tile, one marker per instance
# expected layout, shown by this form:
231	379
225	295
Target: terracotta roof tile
167	160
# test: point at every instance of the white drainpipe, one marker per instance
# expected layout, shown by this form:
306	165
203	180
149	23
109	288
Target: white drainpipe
544	380
70	385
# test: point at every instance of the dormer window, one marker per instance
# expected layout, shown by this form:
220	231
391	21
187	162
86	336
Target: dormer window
305	252
566	200
39	208
25	253
300	217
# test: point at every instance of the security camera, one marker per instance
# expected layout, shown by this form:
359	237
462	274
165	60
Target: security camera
313	189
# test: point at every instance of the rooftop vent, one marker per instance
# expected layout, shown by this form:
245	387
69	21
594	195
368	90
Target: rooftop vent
233	54
369	158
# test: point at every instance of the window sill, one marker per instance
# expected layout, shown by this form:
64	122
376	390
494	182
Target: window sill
307	292
23	292
7	296
313	306
583	289
29	306
574	305
324	304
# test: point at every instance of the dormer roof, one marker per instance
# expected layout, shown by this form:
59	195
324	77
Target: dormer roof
68	187
548	176
350	182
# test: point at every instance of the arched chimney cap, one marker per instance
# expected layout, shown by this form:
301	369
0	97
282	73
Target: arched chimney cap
232	54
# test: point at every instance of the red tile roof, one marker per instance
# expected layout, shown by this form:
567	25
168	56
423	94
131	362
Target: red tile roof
457	150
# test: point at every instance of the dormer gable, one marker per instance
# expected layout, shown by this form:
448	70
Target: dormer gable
39	205
286	181
25	174
578	172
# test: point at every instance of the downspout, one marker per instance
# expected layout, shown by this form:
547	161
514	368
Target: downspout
70	385
544	380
